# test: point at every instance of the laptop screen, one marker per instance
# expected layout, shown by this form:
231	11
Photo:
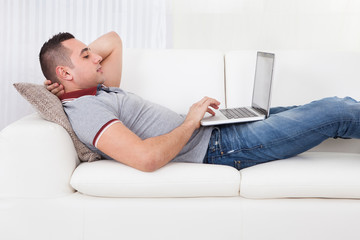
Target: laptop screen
262	83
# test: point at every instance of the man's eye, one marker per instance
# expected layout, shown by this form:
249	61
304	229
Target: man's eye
87	56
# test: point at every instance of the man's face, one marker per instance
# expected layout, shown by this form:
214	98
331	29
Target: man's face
87	71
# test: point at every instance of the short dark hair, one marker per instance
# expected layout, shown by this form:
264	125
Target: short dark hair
53	53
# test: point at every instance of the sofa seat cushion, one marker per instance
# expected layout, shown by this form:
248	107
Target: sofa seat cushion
308	175
107	178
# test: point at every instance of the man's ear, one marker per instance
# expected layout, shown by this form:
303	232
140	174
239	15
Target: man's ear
63	74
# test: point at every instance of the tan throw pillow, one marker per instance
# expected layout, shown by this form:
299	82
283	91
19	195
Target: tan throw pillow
50	108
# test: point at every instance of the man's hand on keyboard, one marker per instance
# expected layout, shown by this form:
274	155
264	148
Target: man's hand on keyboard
198	110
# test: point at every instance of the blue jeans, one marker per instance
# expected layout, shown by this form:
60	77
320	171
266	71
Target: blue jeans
287	132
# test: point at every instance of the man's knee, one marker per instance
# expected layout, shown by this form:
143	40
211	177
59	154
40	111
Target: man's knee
340	108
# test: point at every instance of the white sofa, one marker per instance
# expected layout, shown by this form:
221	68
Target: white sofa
45	194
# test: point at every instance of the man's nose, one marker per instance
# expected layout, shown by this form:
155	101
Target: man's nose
97	58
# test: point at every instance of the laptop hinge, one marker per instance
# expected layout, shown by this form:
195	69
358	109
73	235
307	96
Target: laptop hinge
260	111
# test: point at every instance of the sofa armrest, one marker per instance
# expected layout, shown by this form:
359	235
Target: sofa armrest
37	159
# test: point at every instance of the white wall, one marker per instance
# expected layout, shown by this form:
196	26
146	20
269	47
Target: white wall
267	24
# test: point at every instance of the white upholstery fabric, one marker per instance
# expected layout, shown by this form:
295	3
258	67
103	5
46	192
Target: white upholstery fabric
174	78
108	178
300	219
42	218
37	159
328	175
210	218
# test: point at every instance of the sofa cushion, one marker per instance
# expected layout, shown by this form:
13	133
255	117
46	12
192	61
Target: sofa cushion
174	78
50	108
311	174
107	178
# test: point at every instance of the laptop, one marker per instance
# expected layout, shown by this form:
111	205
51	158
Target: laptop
260	106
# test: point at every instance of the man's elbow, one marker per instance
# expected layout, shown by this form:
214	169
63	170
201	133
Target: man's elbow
150	162
143	159
115	37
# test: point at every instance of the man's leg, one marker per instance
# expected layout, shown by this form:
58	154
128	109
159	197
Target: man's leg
284	134
276	110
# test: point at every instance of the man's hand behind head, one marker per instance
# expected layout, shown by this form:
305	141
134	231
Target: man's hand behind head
54	88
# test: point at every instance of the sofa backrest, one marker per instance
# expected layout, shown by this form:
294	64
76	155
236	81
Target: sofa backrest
299	77
174	78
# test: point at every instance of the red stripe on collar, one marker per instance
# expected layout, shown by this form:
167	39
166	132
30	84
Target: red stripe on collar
76	94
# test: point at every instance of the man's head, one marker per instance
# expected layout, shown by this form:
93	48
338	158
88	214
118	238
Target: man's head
70	62
54	54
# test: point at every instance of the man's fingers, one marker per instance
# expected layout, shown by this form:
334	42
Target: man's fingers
52	87
47	82
216	106
198	110
210	101
210	111
57	89
54	90
60	93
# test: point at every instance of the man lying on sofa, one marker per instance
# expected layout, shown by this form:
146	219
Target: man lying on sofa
146	136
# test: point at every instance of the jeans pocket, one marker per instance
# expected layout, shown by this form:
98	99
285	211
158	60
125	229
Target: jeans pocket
214	143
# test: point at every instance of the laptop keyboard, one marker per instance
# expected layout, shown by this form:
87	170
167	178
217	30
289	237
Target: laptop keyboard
232	113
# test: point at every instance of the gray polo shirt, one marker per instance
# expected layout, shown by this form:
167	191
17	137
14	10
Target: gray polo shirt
91	111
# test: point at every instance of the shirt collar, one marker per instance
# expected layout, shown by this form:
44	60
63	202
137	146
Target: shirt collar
70	96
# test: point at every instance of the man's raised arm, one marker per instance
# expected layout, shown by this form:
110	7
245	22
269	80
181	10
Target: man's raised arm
109	47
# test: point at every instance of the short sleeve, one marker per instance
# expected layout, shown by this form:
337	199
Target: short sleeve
90	117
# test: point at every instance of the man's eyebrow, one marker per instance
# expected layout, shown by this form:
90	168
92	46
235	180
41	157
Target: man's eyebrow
84	50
